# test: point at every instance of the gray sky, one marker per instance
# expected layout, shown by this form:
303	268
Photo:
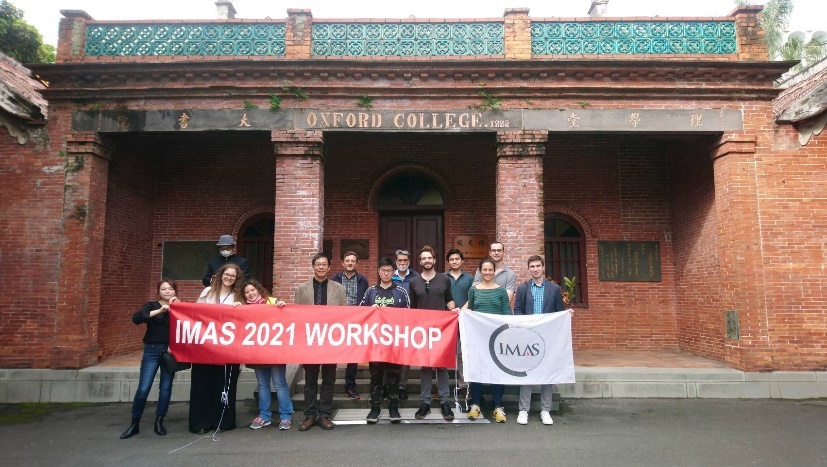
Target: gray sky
45	14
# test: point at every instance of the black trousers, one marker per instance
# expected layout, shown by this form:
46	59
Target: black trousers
322	407
206	405
384	375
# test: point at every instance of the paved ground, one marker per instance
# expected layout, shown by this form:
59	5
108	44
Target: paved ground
586	432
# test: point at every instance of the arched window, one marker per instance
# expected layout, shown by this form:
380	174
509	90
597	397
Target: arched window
566	253
410	190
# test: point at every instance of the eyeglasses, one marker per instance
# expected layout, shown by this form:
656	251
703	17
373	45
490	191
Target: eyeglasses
386	271
496	251
320	265
229	276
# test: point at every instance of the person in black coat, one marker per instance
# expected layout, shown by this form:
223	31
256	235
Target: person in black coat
155	314
226	254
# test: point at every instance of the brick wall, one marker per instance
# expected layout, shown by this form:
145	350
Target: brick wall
791	185
33	179
131	204
355	163
619	188
699	315
171	188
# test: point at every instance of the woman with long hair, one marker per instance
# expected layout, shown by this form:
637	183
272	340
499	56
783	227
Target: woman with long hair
256	294
213	388
155	314
488	297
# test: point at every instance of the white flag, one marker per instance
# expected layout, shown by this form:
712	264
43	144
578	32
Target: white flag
516	349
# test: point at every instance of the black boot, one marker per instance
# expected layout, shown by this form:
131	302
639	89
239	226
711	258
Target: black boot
159	426
393	412
133	429
373	415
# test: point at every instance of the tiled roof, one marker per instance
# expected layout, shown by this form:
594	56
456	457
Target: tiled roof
20	91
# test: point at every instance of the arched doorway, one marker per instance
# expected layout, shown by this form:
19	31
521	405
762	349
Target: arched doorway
255	242
411	216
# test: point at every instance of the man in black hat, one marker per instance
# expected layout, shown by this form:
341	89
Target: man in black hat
226	254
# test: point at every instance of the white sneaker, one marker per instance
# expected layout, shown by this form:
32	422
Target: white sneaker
522	418
545	417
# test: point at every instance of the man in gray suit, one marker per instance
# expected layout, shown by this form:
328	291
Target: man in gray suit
319	291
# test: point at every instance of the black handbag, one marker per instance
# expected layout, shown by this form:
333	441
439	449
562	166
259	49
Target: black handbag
173	365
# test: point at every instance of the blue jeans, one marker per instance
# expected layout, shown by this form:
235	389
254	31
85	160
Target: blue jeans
149	366
276	373
496	391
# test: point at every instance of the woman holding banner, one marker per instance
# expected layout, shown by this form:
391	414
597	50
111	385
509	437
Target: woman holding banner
212	392
156	340
256	294
488	297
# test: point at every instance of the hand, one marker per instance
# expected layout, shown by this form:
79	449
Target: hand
455	310
164	309
212	278
174	299
236	304
280	303
571	311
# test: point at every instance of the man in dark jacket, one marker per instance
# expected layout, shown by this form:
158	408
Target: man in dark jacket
534	297
355	286
385	294
226	254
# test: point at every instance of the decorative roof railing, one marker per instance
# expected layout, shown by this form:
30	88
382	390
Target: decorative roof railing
190	39
407	39
514	36
633	37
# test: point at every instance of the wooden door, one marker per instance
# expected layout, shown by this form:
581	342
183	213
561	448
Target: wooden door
255	242
411	232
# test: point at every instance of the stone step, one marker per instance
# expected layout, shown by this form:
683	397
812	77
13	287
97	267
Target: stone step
118	384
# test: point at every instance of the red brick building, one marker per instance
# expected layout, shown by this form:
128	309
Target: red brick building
639	154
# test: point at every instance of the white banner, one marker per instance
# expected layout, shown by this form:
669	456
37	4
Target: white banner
516	349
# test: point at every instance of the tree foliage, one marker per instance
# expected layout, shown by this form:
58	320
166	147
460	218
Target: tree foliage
775	21
19	39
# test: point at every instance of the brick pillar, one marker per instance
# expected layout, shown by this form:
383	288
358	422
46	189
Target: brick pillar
740	278
749	34
517	33
520	195
81	252
71	41
298	34
299	207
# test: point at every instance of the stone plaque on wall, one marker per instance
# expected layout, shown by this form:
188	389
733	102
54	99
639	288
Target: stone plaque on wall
360	246
629	261
472	246
187	261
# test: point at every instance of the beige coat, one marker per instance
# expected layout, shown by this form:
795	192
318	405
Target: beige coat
335	294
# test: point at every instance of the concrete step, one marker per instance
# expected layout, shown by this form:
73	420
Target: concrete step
118	384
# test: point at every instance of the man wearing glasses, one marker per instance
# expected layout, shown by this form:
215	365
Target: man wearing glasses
403	274
432	291
319	291
355	286
504	276
402	277
382	374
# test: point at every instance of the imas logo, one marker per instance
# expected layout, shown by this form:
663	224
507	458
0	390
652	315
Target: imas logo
516	350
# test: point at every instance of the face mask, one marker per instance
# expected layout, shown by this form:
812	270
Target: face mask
402	269
226	253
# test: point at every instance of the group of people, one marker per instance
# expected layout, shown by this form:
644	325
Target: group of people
213	389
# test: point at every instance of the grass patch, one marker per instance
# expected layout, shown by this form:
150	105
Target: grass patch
11	414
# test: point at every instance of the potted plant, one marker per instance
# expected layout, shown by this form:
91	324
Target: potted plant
569	290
